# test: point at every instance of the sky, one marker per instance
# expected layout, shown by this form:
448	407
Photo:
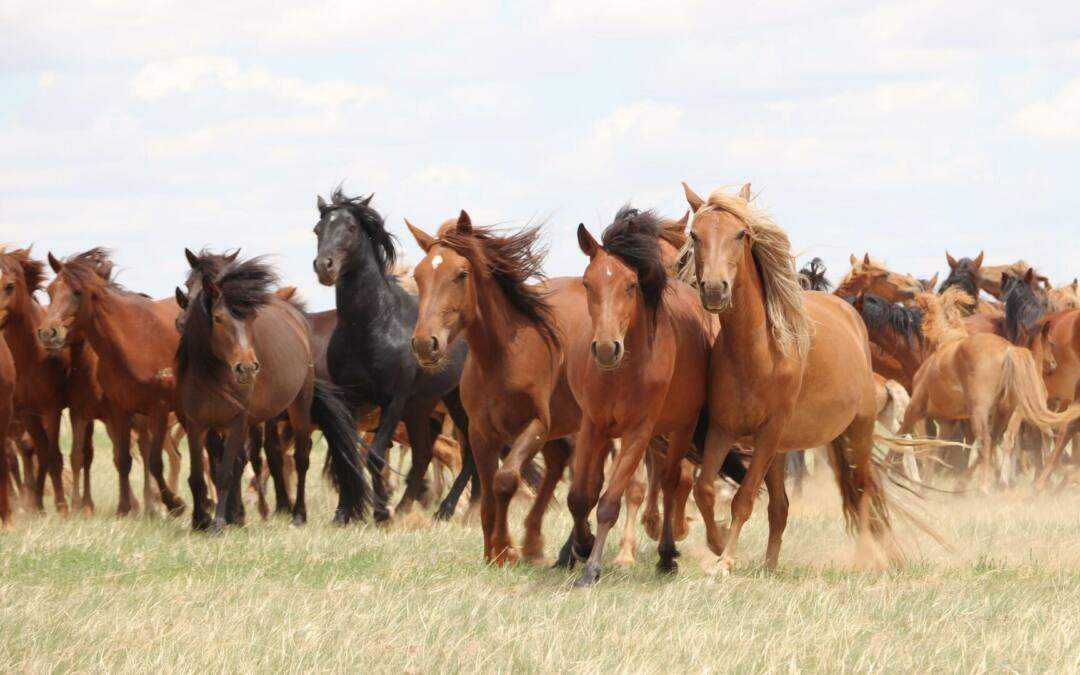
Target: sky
900	129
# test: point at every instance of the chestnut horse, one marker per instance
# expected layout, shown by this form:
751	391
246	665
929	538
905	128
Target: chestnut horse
245	357
642	375
869	276
1065	296
7	410
473	284
789	371
1063	384
135	340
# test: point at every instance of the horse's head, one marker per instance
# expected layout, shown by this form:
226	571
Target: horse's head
721	243
230	333
79	283
869	276
446	283
965	273
347	229
1066	296
20	277
201	264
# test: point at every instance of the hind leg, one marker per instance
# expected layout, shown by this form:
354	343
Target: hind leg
635	495
556	455
258	480
418	425
675	495
778	510
654	469
1061	439
717	447
872	516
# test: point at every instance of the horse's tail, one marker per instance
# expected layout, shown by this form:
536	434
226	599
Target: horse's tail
1022	383
328	410
857	484
733	466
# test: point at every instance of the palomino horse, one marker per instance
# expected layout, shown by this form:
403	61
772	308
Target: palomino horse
41	385
369	354
472	284
135	340
642	375
244	357
870	276
7	410
1065	296
790	371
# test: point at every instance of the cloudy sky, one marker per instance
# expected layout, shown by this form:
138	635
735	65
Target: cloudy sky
902	128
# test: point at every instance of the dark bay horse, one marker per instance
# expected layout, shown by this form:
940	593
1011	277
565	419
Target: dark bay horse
473	285
135	340
370	355
245	356
790	370
643	374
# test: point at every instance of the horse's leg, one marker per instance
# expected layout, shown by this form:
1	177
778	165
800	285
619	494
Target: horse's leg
717	446
142	442
675	495
681	523
256	445
556	455
171	446
56	459
418	425
487	463
388	421
200	519
120	432
980	427
159	422
590	448
1063	435
275	460
654	469
6	413
634	496
507	479
778	510
234	510
224	469
81	456
452	401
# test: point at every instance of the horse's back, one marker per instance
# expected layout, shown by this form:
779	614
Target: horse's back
281	337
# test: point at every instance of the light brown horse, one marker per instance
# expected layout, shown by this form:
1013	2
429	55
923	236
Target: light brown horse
41	384
643	375
245	357
473	284
870	276
135	340
1063	384
1065	296
790	371
7	411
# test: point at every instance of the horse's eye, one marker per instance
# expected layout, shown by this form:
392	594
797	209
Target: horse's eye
9	287
462	275
693	236
741	234
631	287
77	294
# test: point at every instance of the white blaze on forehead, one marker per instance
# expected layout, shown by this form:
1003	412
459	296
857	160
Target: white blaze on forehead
436	261
607	269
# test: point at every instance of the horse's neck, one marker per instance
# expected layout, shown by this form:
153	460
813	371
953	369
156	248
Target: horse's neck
744	328
364	295
491	330
110	334
641	332
936	326
20	332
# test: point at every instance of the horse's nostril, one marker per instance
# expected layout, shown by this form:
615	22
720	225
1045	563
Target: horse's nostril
434	345
618	349
255	366
594	351
329	263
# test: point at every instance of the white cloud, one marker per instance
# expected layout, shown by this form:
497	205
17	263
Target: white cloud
1056	118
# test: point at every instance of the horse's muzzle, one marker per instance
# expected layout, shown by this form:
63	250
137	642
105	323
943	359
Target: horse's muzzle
607	353
53	337
326	269
429	351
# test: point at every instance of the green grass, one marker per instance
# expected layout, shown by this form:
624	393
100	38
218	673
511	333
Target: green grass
92	594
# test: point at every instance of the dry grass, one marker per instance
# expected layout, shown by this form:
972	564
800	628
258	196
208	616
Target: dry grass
139	595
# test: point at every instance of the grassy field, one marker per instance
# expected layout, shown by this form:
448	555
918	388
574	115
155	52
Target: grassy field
93	594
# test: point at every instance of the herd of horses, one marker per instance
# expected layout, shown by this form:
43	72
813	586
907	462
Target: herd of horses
689	352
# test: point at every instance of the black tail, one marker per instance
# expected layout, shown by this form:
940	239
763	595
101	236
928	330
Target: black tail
328	410
733	466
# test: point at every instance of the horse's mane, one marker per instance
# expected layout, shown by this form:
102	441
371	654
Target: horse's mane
771	249
209	263
964	277
881	315
511	261
33	270
634	237
859	269
814	275
383	242
90	269
943	315
1025	307
244	287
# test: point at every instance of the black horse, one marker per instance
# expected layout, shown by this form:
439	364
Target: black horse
370	357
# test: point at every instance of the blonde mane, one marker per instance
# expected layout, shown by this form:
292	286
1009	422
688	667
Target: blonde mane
771	249
943	315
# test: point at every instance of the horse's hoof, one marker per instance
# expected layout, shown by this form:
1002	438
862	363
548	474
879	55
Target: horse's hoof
217	528
381	516
298	520
200	522
444	514
667	566
651	523
624	560
341	518
566	558
88	509
509	556
6	526
589	576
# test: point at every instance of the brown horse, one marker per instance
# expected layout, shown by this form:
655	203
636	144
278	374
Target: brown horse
472	284
7	410
643	375
1063	384
245	357
870	276
135	340
1065	296
41	384
790	371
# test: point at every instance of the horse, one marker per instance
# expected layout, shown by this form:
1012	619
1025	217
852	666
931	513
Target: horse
1063	384
991	277
897	345
870	276
1065	296
7	411
965	273
41	382
135	340
789	371
245	356
473	285
643	374
370	356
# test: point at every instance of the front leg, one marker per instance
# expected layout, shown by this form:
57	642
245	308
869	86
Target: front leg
226	466
159	424
388	421
120	433
418	426
200	519
507	479
590	447
717	446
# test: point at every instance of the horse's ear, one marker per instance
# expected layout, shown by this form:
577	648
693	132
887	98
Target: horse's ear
181	298
1076	284
1029	276
586	242
854	260
231	257
681	223
933	281
424	240
464	223
192	259
692	198
978	261
866	259
367	200
745	192
55	264
322	206
951	260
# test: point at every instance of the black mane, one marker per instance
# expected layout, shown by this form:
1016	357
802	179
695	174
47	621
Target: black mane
634	238
965	275
1025	307
383	242
881	315
814	273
